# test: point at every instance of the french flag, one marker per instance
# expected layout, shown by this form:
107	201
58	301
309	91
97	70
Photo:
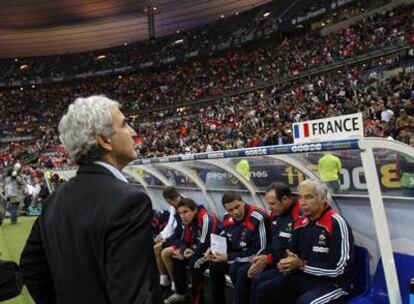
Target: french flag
301	130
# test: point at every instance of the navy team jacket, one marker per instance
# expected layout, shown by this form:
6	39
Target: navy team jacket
281	230
174	239
248	237
327	247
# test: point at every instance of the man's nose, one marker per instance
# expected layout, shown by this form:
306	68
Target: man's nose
133	132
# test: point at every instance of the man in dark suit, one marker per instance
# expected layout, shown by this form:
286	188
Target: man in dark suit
92	243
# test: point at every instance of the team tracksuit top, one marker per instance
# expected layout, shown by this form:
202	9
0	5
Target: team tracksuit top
248	237
196	235
327	247
282	228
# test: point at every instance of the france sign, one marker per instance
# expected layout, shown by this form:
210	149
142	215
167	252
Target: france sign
334	128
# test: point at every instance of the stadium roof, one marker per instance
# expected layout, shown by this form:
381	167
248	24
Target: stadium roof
44	27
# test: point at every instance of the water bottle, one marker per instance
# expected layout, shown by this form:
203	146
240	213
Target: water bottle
412	291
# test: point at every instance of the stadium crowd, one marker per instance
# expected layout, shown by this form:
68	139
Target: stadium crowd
259	118
263	117
206	78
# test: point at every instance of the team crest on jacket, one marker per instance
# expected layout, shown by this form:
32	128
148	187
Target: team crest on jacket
322	239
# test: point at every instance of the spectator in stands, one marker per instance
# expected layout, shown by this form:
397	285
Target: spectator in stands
246	230
284	212
103	252
319	264
168	237
199	224
409	108
404	125
329	168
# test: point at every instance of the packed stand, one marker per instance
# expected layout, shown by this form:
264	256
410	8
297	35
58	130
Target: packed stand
218	75
266	117
259	118
243	121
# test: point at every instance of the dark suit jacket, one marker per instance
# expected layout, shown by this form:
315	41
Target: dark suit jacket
92	244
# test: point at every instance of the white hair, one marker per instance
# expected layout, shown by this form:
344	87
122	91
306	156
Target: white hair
320	188
85	118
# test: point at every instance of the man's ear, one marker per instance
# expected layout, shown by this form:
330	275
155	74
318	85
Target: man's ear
104	142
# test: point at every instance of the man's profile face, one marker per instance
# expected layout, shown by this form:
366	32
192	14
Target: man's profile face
235	209
310	204
276	206
123	141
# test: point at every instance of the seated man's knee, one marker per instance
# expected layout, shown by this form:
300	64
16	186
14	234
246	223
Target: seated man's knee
167	253
157	249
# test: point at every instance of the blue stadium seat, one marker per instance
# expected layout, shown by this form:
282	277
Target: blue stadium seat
363	276
378	292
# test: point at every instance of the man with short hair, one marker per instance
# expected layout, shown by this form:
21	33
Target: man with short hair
199	224
284	212
168	237
319	267
246	230
92	243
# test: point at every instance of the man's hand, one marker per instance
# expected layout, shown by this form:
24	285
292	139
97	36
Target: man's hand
291	262
177	254
159	239
257	265
208	254
188	253
219	257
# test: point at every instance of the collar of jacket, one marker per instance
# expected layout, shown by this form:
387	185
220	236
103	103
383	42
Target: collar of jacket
91	168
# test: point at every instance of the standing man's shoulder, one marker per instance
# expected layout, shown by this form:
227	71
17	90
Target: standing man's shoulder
130	196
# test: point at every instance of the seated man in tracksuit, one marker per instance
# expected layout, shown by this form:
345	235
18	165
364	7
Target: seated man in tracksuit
168	236
246	230
284	212
195	240
319	266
